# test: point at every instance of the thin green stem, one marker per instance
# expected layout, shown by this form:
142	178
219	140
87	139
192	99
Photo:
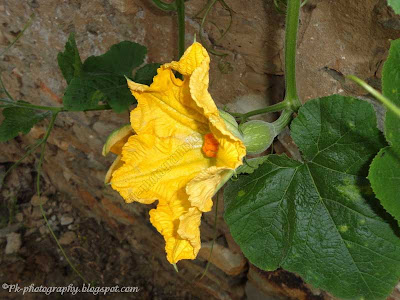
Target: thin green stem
230	19
20	160
44	140
5	90
29	23
389	104
32	106
209	5
283	3
165	6
39	169
55	109
283	120
291	101
292	23
273	108
180	7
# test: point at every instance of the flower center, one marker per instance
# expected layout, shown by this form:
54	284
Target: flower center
210	146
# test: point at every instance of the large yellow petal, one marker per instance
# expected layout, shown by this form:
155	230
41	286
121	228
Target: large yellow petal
203	187
232	149
193	57
166	108
166	153
189	228
179	224
156	168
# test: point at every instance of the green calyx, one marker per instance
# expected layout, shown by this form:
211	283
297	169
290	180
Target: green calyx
259	135
231	123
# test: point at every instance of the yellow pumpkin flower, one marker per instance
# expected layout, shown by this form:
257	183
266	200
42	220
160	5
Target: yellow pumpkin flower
180	154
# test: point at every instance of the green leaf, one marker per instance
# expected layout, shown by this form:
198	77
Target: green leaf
120	60
319	218
384	175
395	4
69	61
82	94
146	73
17	119
391	89
105	75
249	165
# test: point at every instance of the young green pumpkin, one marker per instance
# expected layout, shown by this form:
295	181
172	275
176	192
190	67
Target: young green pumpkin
259	135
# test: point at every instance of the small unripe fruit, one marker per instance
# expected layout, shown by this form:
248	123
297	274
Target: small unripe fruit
257	136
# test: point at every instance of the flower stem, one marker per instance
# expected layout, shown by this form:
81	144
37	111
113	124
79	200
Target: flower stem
180	8
283	120
389	104
292	23
273	108
291	101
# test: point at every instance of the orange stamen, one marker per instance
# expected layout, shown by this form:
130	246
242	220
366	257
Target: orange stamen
210	146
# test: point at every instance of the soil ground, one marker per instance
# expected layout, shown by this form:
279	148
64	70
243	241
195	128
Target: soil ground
102	259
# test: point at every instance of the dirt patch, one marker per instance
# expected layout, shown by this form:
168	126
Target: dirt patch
102	259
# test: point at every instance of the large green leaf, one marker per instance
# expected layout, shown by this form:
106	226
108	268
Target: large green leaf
81	94
384	173
320	218
391	89
108	72
69	61
102	75
395	4
146	73
120	60
17	119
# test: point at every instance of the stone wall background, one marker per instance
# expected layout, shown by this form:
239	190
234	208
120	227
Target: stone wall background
336	38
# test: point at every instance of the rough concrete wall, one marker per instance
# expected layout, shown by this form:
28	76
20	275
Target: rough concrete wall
336	38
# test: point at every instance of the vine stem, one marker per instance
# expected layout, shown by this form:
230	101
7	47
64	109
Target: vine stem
389	104
54	109
207	11
180	8
44	140
292	24
273	108
38	170
27	25
283	120
291	101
